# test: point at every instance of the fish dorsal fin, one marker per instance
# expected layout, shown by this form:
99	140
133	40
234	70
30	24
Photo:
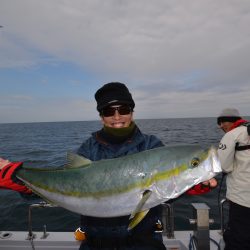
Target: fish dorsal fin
76	161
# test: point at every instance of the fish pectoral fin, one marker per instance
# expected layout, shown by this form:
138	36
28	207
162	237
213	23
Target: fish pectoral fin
76	161
138	217
140	205
138	214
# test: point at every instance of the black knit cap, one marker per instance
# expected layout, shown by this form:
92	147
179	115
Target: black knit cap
113	93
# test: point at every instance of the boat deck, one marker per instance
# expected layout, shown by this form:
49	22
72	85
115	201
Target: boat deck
65	241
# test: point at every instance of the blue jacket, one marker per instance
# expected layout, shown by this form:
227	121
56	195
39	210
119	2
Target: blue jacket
95	148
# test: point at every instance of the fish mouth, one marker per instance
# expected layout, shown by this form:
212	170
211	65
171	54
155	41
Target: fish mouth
215	160
212	163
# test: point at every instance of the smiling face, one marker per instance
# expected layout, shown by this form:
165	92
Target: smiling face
117	116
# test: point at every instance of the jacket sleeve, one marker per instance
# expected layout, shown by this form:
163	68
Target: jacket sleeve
88	149
8	178
150	142
226	152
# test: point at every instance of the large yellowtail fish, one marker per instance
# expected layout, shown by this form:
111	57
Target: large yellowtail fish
129	185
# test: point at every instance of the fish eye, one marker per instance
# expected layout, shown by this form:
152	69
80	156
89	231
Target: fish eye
195	162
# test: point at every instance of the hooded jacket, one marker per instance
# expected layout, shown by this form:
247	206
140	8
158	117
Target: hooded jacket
95	148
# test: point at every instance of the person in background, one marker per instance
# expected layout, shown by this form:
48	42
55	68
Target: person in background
234	155
119	136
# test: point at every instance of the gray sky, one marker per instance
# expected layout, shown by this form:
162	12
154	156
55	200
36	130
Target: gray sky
179	58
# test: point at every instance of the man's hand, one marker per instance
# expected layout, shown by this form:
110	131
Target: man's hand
211	183
3	163
8	179
203	187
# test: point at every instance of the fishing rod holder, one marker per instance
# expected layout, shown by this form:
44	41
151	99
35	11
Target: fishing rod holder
41	204
201	223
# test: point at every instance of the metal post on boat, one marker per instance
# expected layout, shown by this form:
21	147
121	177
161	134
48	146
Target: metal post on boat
42	204
222	220
168	220
201	222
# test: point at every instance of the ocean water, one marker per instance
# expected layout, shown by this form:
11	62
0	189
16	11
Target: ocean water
46	144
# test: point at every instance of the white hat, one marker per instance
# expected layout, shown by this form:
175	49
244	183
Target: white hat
228	115
229	112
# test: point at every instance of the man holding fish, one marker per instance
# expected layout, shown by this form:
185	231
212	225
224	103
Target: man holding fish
120	138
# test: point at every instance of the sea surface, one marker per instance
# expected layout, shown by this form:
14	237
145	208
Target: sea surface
46	144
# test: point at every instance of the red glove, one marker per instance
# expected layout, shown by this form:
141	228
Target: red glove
8	179
199	189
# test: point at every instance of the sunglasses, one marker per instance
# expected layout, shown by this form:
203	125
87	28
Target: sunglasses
110	111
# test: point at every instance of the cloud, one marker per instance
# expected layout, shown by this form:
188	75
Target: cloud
148	36
165	50
46	109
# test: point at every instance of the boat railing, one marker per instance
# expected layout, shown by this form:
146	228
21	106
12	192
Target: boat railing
41	204
223	202
200	222
167	218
